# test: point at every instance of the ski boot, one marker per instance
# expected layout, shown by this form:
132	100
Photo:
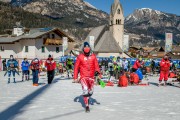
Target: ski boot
14	80
8	81
87	109
165	83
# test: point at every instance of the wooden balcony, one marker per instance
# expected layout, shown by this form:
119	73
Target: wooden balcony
49	41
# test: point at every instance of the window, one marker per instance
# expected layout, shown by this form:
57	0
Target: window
43	49
2	48
48	35
111	22
119	11
57	49
26	49
53	36
116	21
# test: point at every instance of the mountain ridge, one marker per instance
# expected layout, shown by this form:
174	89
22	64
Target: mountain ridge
79	17
152	24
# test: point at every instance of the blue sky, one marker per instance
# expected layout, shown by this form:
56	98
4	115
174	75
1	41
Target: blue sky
169	6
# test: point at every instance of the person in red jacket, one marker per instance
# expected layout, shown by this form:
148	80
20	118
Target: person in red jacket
164	70
51	66
87	65
35	67
138	64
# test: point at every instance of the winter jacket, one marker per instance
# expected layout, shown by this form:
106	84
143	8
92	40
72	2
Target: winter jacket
35	64
86	65
137	64
25	65
165	65
12	63
110	66
125	64
50	64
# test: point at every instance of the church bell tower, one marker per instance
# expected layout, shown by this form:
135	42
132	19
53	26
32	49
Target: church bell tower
117	22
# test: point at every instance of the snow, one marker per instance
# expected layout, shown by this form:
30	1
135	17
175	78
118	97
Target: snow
131	17
62	101
128	17
87	16
156	11
89	5
146	9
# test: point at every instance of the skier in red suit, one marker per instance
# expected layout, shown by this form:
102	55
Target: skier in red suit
87	65
164	70
51	66
138	64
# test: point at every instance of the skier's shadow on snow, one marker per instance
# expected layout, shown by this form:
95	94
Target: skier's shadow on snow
92	101
156	84
17	109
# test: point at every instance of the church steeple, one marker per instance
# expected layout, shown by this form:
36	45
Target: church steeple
114	7
116	1
117	22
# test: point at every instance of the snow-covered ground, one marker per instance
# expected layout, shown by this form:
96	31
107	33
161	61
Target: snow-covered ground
62	101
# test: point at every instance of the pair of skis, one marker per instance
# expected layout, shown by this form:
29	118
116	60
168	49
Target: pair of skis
12	70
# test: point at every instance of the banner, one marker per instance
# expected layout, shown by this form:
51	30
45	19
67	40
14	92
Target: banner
126	43
91	42
168	42
65	43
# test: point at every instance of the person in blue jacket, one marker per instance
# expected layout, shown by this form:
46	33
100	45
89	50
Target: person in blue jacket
12	64
25	69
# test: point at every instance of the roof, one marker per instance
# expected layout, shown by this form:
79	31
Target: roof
135	47
107	44
34	33
96	32
114	7
176	48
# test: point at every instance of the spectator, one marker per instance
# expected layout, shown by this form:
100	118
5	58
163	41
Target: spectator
51	66
35	67
25	69
164	70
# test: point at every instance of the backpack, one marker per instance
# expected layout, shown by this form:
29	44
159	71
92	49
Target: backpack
134	78
139	73
123	81
172	75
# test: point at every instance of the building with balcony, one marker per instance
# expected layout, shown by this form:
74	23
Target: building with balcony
35	42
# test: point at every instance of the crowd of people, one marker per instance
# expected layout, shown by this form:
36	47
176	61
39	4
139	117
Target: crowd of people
88	66
112	68
12	66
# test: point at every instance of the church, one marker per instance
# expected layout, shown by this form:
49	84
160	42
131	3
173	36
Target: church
108	39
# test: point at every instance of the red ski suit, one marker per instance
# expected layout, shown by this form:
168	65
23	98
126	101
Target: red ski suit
50	64
87	67
164	69
137	64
